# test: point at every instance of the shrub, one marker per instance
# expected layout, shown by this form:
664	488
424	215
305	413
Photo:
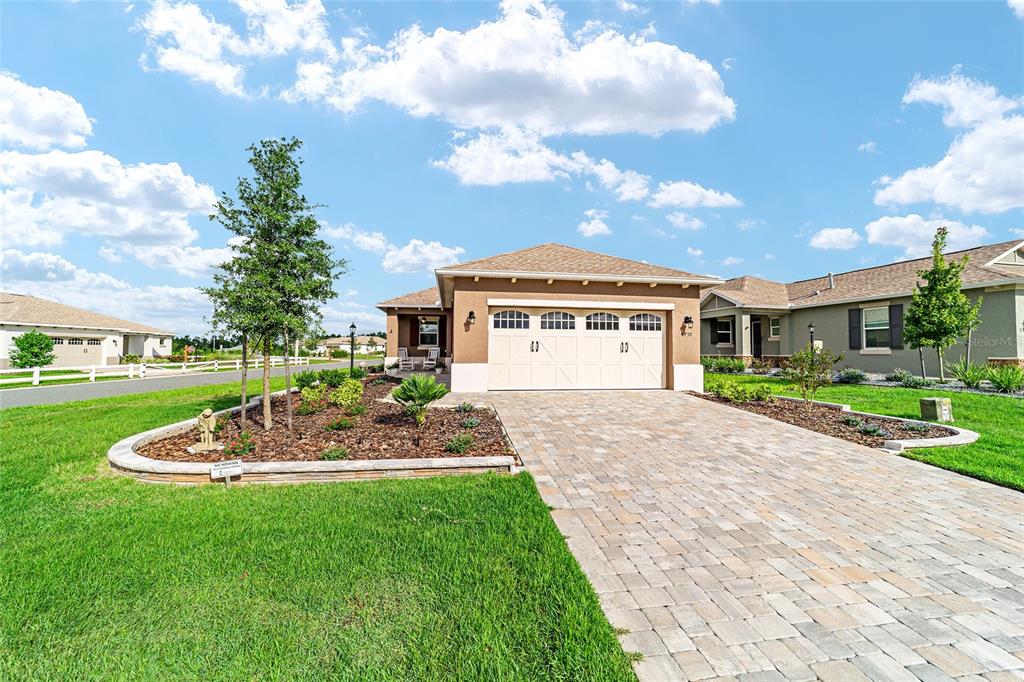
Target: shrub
810	368
851	420
459	444
916	427
308	408
334	454
306	378
969	374
378	381
416	392
738	393
339	424
31	349
851	375
761	366
872	430
131	359
465	408
333	377
1006	378
313	395
722	364
376	369
911	381
348	394
898	375
470	423
339	353
239	446
357	373
357	410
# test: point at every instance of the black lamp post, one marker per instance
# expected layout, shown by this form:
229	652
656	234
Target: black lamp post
351	347
810	329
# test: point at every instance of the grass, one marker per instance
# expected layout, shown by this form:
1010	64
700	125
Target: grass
106	577
42	372
998	454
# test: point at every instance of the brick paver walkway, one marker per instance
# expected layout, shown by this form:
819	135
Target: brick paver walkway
732	545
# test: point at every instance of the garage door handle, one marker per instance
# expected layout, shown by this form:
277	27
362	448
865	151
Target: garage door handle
627	346
620	347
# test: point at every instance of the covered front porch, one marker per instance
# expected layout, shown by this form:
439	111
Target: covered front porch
746	333
418	331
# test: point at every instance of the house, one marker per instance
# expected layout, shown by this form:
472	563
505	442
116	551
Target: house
80	337
860	313
555	317
365	345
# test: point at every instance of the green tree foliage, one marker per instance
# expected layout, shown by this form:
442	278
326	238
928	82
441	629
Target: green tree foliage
940	312
31	349
810	368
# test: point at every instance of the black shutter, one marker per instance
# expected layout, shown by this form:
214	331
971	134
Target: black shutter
855	328
414	332
442	333
896	325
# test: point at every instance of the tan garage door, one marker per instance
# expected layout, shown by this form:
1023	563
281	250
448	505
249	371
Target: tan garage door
74	351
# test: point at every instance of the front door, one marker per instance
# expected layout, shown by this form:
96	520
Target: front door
755	336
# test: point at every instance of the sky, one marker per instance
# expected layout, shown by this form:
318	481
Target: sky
780	140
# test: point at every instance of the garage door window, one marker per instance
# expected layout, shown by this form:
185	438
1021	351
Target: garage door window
58	341
558	320
93	342
511	319
644	322
602	322
75	342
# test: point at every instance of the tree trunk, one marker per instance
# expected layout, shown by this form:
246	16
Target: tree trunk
942	369
967	351
268	421
245	376
920	355
287	382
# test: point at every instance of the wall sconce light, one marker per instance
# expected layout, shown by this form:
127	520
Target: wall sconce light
688	320
472	317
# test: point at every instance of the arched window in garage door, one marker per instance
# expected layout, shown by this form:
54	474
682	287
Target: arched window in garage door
511	319
644	322
602	322
558	319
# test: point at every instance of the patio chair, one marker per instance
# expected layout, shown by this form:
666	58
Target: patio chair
430	362
404	361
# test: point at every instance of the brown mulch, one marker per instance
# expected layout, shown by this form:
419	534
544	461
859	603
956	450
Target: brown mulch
830	422
384	431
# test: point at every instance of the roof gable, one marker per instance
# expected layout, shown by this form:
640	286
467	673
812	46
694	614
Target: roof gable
424	298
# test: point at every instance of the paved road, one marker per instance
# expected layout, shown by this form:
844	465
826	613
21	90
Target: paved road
731	545
63	393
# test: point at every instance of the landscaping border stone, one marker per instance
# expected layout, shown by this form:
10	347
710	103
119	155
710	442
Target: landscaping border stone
124	459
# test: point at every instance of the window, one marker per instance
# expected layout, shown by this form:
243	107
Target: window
74	342
163	342
774	327
645	322
93	342
723	332
58	341
428	331
876	327
511	319
602	322
558	320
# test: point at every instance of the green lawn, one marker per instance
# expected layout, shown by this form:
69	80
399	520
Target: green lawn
997	456
42	372
109	578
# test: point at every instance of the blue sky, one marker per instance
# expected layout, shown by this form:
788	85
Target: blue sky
781	140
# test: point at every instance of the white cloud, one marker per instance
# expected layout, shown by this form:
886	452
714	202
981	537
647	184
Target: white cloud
684	194
524	70
40	118
868	147
731	260
630	7
627	185
1017	232
769	256
982	170
1017	6
594	225
418	256
46	196
914	234
684	221
694	252
840	238
365	321
184	38
728	63
748	224
188	261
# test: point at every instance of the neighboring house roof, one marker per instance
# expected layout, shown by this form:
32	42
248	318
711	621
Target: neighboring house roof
894	279
344	340
30	310
559	259
425	298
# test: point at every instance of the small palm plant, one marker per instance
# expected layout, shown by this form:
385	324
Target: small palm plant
416	392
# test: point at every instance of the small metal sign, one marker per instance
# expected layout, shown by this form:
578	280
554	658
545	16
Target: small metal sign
226	470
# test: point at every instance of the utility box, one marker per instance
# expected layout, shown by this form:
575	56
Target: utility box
937	409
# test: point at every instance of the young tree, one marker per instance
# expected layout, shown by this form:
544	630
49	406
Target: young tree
810	368
31	349
235	311
284	267
940	312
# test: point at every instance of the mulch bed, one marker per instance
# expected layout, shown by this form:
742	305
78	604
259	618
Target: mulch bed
384	431
830	422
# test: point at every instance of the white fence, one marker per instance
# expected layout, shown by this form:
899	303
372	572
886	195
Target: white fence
139	371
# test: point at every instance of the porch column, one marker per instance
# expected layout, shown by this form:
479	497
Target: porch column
741	332
391	343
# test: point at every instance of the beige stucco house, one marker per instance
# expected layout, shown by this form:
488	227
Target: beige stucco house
860	313
555	317
365	345
80	337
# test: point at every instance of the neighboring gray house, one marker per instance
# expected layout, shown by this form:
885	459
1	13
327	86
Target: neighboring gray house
860	313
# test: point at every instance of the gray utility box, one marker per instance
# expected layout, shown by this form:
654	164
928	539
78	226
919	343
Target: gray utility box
937	409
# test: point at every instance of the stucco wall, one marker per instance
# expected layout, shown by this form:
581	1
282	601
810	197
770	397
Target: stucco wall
109	344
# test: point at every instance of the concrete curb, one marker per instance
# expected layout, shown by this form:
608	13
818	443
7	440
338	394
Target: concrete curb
126	461
960	436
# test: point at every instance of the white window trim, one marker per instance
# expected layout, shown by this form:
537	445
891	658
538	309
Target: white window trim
774	337
419	334
556	303
864	350
732	334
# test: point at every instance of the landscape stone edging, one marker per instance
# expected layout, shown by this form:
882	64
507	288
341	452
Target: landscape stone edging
961	437
126	461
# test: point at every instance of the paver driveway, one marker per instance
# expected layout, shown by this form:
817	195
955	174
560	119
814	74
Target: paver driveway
729	544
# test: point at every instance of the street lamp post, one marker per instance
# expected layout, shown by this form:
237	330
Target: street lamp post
351	347
810	330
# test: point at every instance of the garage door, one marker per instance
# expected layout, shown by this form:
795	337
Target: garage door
75	351
565	349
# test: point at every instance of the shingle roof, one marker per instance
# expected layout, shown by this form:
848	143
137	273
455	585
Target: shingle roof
561	259
23	309
425	298
883	280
